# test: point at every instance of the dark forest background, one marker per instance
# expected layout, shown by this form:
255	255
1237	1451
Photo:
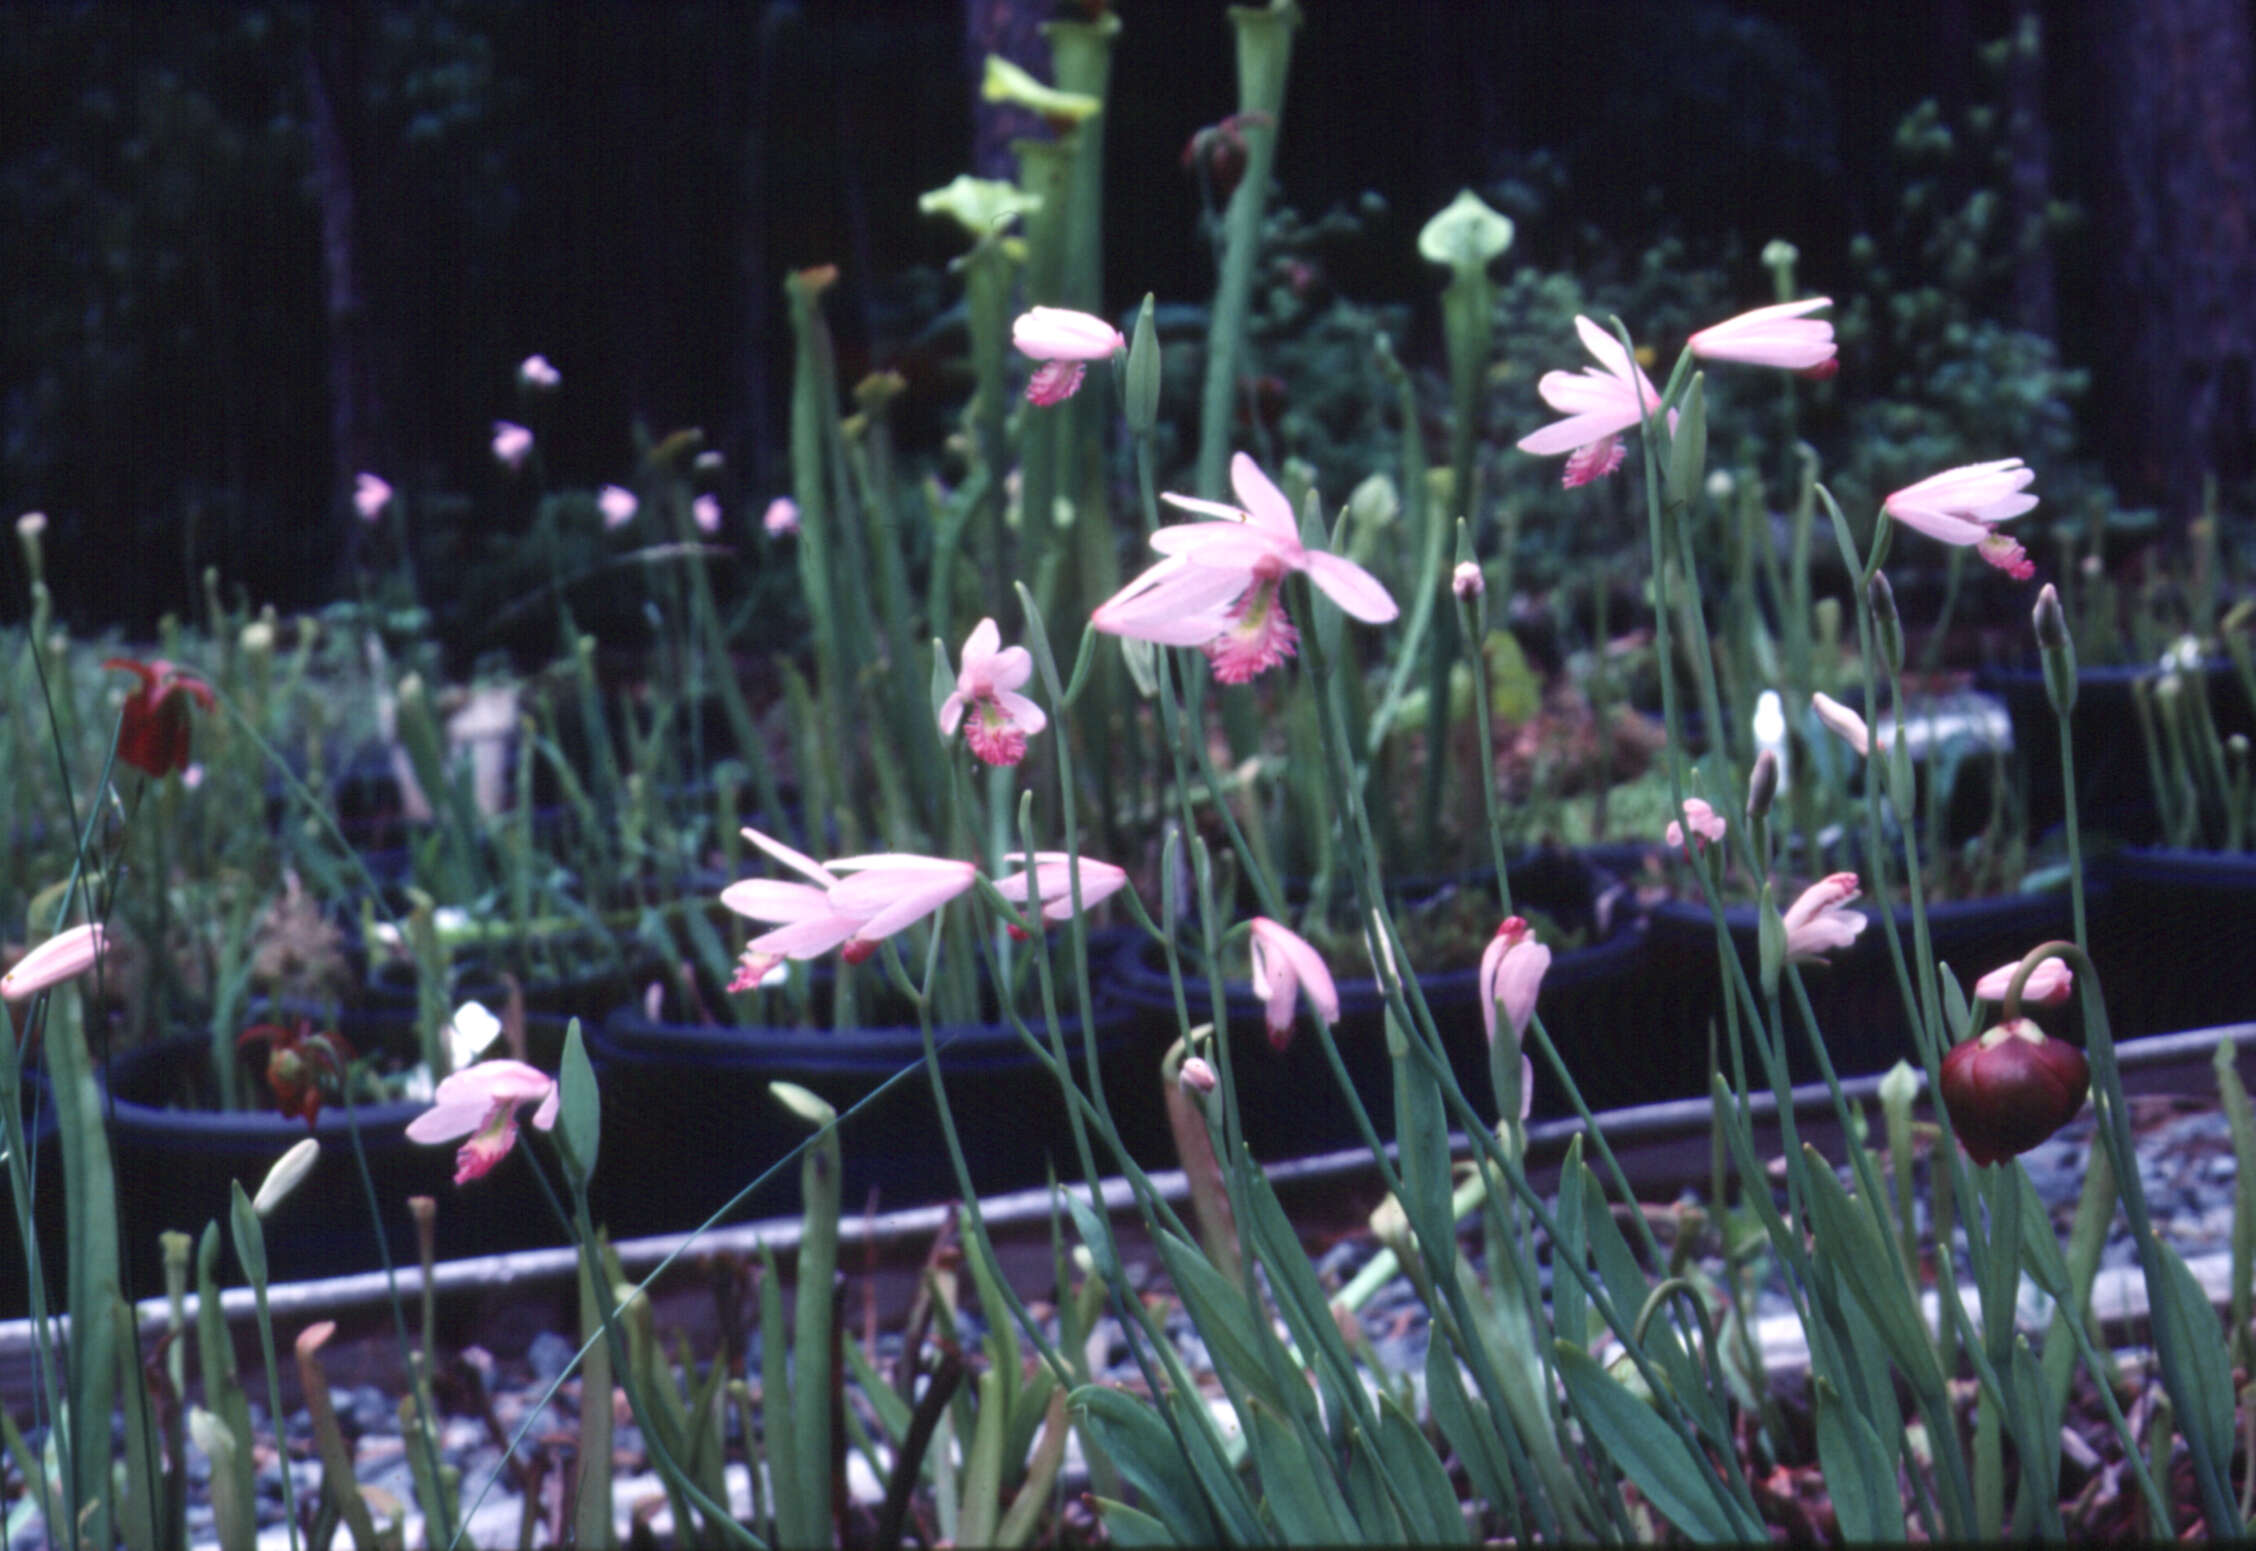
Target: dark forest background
251	250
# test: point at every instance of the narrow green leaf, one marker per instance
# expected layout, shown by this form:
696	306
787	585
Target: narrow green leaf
1846	1234
1680	1483
1468	1427
983	1468
1860	1472
1242	1345
1132	1527
580	1126
250	1237
2040	1242
1131	1432
235	1520
1429	1501
1688	448
2203	1392
1289	1482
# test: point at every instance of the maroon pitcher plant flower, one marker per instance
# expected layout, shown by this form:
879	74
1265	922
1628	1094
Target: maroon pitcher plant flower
302	1067
154	739
2010	1088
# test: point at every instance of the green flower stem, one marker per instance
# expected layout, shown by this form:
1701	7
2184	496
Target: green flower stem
717	1517
1264	36
1425	1047
1419	516
439	1513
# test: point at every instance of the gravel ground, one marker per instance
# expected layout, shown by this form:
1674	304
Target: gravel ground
2186	1163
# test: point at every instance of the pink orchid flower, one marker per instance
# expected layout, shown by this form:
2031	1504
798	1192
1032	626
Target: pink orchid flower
1821	919
881	894
2049	984
987	686
1600	403
1283	966
1064	341
618	505
371	495
1511	975
64	956
536	372
481	1103
1219	588
781	518
1783	336
1052	878
1962	506
512	444
1705	823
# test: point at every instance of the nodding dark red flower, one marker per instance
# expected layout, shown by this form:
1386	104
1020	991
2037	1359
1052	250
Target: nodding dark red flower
2009	1089
154	738
302	1067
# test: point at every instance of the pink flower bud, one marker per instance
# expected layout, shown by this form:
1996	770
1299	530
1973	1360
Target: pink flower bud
61	957
1466	581
1197	1076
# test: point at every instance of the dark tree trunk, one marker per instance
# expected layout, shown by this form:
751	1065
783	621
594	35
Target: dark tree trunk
2176	234
2035	307
333	96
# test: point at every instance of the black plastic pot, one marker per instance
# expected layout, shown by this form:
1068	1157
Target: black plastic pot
2114	786
2178	948
1290	1101
175	1165
688	1119
1855	994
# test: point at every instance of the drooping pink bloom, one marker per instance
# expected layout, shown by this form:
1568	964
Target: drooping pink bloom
1844	723
1821	919
481	1103
1064	342
1783	336
1600	403
1052	877
1220	587
881	894
536	373
618	505
2049	984
1283	966
64	956
781	517
371	495
987	686
1962	506
1705	823
705	511
512	444
1511	976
